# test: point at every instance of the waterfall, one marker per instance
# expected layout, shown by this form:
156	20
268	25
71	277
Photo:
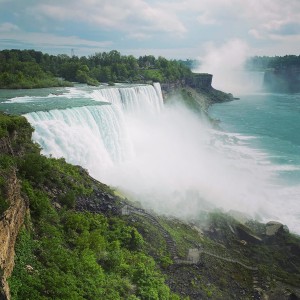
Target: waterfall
132	99
163	156
95	137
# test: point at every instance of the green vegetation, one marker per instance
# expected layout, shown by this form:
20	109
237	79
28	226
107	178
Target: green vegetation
83	256
33	69
66	252
262	63
183	234
16	75
62	253
281	72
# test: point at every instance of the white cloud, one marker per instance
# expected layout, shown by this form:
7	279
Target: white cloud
8	27
261	17
205	19
262	22
136	16
256	34
138	36
50	40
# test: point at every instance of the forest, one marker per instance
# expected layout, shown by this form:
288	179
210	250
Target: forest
34	69
262	63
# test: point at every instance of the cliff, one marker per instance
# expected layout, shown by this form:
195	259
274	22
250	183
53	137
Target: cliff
15	135
196	91
10	223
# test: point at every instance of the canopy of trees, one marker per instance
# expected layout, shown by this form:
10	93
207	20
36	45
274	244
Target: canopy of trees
261	63
30	69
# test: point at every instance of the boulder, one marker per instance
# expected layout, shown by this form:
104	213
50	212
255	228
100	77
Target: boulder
274	228
245	234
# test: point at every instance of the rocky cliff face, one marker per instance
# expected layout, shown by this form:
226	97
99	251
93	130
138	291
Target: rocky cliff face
10	224
13	217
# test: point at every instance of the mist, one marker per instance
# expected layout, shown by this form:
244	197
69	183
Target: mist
169	158
181	166
227	64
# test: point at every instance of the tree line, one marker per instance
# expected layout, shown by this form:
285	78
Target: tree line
262	63
31	69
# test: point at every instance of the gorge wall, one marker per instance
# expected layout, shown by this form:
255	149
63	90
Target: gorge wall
10	224
15	137
200	81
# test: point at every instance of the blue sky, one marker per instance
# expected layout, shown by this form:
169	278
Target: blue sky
171	28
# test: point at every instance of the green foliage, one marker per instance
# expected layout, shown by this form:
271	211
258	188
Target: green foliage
65	254
32	69
18	74
35	167
68	199
4	205
38	201
10	124
261	63
83	256
154	75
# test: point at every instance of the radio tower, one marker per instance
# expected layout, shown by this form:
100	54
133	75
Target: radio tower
72	53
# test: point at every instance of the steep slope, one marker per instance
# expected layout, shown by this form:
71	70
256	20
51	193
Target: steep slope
81	241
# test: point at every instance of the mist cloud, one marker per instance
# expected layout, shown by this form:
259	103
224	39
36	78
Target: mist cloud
182	167
227	64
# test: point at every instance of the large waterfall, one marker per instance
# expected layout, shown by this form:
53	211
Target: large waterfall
95	137
162	155
134	142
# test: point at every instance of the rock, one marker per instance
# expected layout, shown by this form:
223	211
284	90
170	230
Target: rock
57	205
29	268
10	225
273	228
246	235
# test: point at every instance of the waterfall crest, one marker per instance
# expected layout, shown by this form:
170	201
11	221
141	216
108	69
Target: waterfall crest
134	98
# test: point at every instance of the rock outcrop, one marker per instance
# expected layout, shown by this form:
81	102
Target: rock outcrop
273	228
10	223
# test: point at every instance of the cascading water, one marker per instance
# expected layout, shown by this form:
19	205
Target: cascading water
163	155
132	99
95	137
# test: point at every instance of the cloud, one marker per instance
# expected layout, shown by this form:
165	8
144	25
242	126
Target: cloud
205	19
288	29
255	33
44	40
139	36
8	27
136	16
261	17
164	25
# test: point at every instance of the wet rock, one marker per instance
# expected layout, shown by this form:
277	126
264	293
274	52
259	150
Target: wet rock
273	228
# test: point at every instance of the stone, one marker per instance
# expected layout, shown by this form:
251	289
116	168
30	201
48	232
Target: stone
273	228
10	225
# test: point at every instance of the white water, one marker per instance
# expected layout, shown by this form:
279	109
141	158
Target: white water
163	156
95	137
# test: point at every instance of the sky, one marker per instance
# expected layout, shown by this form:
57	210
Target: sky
185	29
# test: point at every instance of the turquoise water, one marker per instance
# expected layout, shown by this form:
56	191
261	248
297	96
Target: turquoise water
270	123
273	120
25	101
